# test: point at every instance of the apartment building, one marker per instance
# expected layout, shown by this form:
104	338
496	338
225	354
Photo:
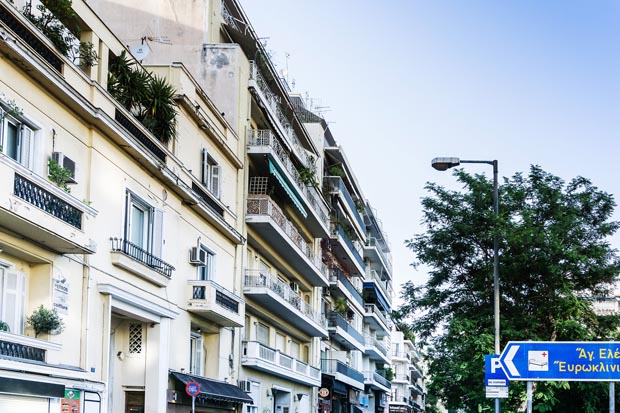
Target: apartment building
237	252
408	390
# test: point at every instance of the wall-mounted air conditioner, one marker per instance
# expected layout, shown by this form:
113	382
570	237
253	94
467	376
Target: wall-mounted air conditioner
67	163
245	385
198	257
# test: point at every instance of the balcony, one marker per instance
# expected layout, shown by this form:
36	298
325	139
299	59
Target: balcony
377	321
376	350
140	262
417	389
36	209
378	291
335	185
376	381
266	359
346	251
215	303
264	144
279	298
345	333
402	356
343	287
343	373
268	220
376	252
23	348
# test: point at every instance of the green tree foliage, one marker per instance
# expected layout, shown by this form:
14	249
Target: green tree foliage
554	254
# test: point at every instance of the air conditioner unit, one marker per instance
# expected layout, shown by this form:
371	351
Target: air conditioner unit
198	257
326	292
245	385
295	287
66	163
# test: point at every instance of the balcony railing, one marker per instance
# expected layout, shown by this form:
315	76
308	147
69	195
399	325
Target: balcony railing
267	138
254	349
374	276
142	256
401	354
228	18
273	101
337	276
338	230
263	205
48	202
387	257
21	351
140	136
370	341
373	376
336	320
372	309
336	184
332	366
254	278
223	297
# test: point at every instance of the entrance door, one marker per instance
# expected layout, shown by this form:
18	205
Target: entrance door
134	402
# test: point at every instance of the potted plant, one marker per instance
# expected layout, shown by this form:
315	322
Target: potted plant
340	306
4	326
45	321
59	175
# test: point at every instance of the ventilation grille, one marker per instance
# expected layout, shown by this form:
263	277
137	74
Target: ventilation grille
135	338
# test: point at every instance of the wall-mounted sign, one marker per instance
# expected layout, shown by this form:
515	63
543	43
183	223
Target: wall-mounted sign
60	295
71	402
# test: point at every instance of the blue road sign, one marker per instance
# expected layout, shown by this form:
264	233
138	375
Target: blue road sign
561	360
494	375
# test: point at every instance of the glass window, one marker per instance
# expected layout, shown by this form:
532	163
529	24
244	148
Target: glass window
211	174
195	354
262	334
143	226
205	272
12	299
16	139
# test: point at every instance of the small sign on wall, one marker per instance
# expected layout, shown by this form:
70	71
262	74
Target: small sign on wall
60	295
71	402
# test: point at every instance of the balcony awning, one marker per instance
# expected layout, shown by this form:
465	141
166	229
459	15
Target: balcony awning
273	169
215	390
339	387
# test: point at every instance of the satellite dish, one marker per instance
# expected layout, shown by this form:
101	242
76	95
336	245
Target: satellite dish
140	51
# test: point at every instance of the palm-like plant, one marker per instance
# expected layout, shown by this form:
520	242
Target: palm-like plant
159	114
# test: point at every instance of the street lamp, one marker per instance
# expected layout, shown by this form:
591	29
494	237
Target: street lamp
442	164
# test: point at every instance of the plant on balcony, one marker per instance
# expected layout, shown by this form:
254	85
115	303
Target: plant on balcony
336	171
149	98
58	22
45	321
4	326
308	176
389	374
341	306
59	175
359	205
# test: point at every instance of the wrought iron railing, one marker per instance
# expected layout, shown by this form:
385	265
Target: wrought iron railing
332	366
48	202
142	256
336	184
267	138
337	276
30	38
21	351
139	135
336	320
256	278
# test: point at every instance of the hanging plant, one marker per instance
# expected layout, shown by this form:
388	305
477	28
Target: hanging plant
45	321
308	176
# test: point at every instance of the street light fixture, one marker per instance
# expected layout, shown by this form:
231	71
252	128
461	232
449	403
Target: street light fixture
443	164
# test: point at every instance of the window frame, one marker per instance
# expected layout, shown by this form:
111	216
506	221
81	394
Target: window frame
206	272
196	351
211	174
24	138
152	221
16	322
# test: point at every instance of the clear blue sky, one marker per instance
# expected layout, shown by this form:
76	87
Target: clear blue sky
525	82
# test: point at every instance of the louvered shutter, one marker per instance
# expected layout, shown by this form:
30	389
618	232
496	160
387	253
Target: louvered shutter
204	166
157	240
13	298
25	146
216	180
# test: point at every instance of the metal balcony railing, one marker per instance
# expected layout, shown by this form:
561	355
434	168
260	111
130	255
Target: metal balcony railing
371	309
21	351
332	366
228	18
263	205
337	275
223	297
373	376
338	230
401	354
267	138
142	256
386	255
255	278
48	202
335	184
336	320
254	349
370	341
273	101
374	276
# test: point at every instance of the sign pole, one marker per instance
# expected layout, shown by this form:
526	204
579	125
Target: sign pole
193	404
192	389
529	397
612	397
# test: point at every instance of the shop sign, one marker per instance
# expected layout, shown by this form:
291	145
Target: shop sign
60	295
71	402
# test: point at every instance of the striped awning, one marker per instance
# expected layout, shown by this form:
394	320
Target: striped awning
274	170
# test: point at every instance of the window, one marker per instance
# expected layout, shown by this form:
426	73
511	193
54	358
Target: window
206	272
143	225
262	334
280	339
195	354
294	350
12	299
16	139
211	174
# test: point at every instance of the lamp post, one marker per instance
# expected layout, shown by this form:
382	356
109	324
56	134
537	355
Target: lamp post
442	164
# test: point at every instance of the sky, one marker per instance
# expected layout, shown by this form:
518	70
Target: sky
525	82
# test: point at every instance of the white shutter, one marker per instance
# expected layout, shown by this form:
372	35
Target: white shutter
215	180
25	146
199	356
2	114
13	298
157	239
204	167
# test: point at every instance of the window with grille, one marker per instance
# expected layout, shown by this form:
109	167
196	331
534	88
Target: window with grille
135	338
259	185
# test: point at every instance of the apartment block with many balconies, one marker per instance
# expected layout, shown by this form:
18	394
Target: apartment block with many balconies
408	391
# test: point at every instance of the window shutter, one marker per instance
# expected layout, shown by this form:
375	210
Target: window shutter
1	127
13	298
157	240
199	356
204	166
215	180
25	146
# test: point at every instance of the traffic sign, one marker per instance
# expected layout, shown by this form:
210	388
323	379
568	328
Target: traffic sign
561	360
494	375
192	389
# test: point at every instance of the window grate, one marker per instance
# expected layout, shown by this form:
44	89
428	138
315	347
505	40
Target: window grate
135	338
259	185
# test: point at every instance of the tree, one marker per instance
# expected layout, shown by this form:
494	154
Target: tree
554	256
